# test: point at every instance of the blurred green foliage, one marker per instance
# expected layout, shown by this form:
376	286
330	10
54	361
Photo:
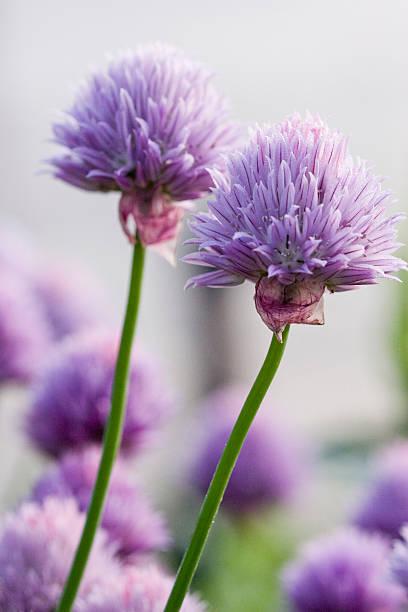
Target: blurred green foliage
249	556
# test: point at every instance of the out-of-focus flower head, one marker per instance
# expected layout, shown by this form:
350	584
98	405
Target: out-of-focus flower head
130	521
37	545
399	560
24	336
71	397
272	462
69	299
297	216
385	505
141	590
345	571
153	127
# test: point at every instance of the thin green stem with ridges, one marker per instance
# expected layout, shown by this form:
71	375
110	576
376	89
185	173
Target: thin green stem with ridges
223	472
113	433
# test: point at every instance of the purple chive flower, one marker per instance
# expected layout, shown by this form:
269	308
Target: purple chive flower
399	560
297	217
37	545
71	398
271	464
130	521
69	299
346	571
24	338
385	505
153	127
141	590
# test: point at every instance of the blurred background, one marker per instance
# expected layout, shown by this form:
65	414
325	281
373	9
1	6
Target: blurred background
346	61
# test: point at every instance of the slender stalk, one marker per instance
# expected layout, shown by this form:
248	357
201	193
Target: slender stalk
223	472
113	433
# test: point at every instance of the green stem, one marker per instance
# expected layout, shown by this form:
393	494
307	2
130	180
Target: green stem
113	433
223	472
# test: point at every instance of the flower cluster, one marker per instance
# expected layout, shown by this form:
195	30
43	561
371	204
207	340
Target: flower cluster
293	213
131	523
153	127
399	560
69	300
297	216
37	545
140	590
71	399
24	336
384	508
39	305
345	571
272	461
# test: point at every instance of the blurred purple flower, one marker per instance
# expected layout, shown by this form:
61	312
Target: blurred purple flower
71	398
385	506
346	571
24	337
399	560
153	127
69	299
297	217
37	545
140	590
129	519
270	467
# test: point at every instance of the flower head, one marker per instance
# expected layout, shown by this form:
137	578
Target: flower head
399	560
69	299
71	398
37	545
130	521
270	466
24	336
140	590
153	127
385	506
297	217
345	571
